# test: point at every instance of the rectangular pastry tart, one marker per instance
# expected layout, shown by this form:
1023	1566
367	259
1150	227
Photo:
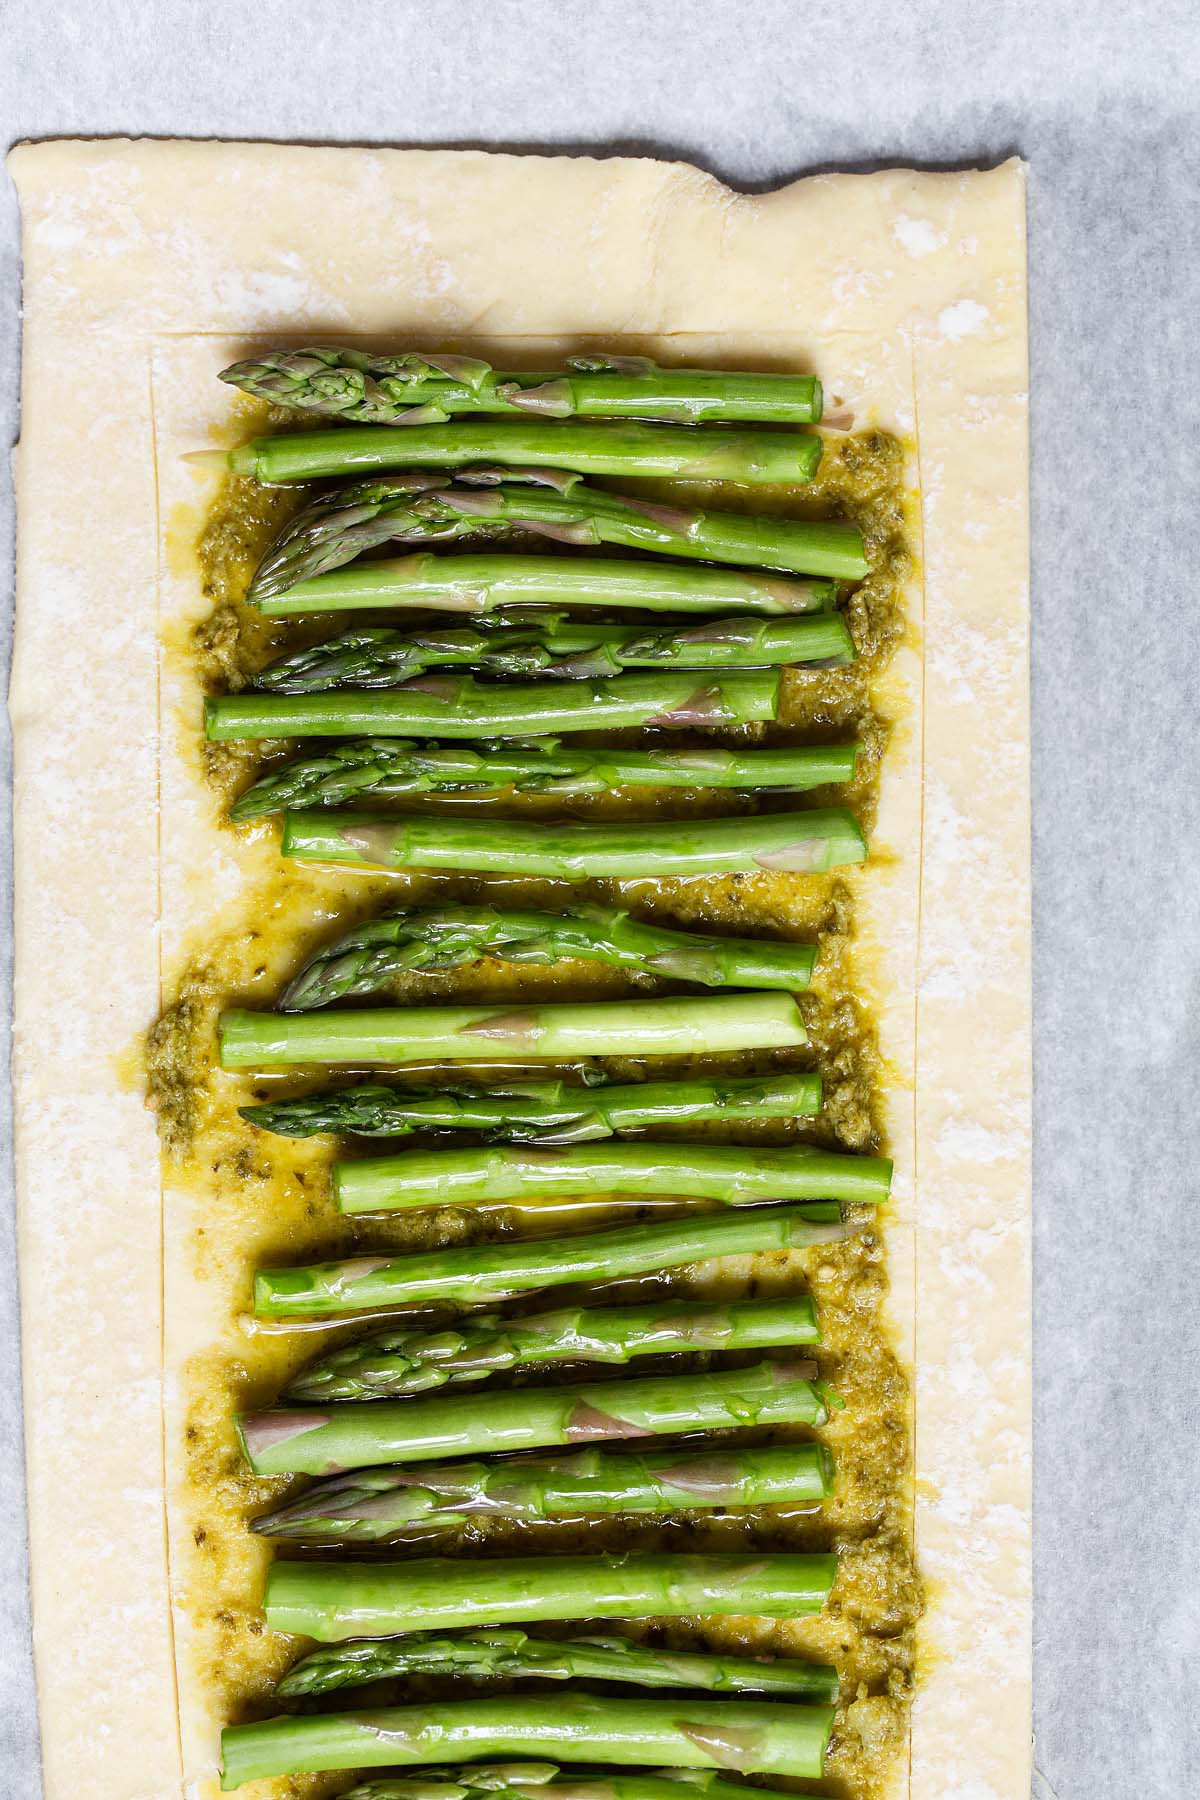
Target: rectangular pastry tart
520	704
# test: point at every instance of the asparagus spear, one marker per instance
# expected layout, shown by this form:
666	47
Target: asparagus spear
304	568
565	1029
401	1360
529	1781
357	1434
391	768
749	1736
368	389
459	706
539	1781
476	1274
304	572
381	657
365	959
488	1655
806	842
607	447
334	1600
541	1112
733	1174
378	1504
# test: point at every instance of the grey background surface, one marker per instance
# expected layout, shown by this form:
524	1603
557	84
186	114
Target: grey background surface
1102	102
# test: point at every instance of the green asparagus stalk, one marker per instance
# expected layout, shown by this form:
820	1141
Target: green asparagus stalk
809	842
460	706
540	1781
607	447
541	1112
381	657
402	1360
362	388
304	568
357	1434
478	1274
735	1175
745	1735
367	958
306	572
375	1505
513	1654
392	769
508	1073
565	1029
330	1601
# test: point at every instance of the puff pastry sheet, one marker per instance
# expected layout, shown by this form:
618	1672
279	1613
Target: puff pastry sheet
145	263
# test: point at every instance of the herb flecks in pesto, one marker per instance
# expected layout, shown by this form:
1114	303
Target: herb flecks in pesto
266	1200
178	1056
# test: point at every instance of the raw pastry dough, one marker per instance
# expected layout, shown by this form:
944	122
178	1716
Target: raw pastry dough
147	265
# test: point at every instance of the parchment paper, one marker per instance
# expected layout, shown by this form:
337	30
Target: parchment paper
1102	102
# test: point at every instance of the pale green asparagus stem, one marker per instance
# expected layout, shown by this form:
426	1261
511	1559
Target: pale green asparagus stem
735	1175
513	1654
450	705
539	1112
392	769
566	1029
310	567
589	448
365	388
809	842
478	1274
748	1736
554	645
370	956
356	1435
330	1601
538	1781
385	1504
402	1360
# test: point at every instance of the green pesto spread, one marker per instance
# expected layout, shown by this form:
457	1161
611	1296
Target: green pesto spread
266	1200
